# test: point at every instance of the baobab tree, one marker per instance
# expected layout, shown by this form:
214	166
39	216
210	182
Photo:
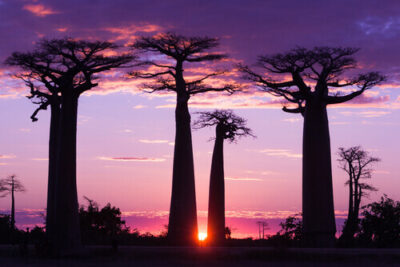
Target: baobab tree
11	185
167	74
356	162
58	71
321	68
228	127
45	93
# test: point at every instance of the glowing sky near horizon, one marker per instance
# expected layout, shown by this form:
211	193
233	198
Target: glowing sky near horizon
125	136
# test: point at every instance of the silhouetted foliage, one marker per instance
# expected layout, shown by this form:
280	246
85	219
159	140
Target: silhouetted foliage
290	235
5	229
11	185
292	229
228	232
57	72
356	162
380	224
101	225
167	74
321	68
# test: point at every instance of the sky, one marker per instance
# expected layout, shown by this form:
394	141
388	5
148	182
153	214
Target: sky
118	120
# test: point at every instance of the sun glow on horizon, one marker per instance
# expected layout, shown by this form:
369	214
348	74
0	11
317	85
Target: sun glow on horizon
202	236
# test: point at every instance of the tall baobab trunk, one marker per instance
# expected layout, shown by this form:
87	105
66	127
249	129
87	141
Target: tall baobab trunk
356	210
66	199
52	176
12	206
347	227
318	210
182	227
216	202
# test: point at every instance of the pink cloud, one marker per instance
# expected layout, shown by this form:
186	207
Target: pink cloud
366	114
63	29
278	152
129	33
40	10
127	159
139	106
7	156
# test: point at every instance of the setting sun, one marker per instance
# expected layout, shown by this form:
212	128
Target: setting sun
202	236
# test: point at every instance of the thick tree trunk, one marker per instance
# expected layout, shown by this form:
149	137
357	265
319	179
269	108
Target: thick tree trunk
66	200
52	176
182	227
216	202
318	210
12	206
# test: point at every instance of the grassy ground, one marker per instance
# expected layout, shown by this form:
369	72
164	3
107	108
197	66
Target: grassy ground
206	256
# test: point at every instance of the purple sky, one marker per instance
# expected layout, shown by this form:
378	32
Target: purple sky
117	120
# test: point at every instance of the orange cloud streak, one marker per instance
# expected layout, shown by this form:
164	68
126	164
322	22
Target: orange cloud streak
40	10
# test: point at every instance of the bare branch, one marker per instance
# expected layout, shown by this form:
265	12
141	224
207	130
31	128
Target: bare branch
11	183
148	75
229	125
181	49
321	64
364	82
200	88
64	63
294	110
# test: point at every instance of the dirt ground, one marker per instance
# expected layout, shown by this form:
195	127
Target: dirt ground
206	256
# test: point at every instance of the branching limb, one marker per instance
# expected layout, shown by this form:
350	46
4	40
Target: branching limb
149	75
199	88
229	125
363	82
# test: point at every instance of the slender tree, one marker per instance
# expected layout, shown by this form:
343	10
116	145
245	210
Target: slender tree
322	69
167	74
11	185
228	127
58	71
356	162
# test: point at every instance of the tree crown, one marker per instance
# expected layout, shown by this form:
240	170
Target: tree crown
9	184
357	163
320	66
228	124
168	72
64	66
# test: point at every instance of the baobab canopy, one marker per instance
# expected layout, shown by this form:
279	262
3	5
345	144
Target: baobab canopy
312	79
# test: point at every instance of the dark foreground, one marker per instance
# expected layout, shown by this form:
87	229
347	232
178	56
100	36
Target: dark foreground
206	256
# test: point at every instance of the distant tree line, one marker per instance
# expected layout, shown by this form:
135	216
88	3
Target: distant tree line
379	226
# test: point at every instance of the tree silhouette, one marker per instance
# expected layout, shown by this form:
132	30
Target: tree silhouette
356	162
166	74
58	71
228	126
322	67
11	185
101	226
291	229
44	97
380	223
